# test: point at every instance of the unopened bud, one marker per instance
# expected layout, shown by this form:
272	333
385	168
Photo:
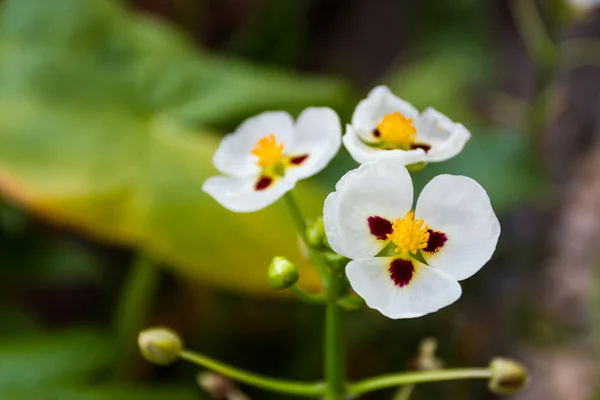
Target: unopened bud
508	376
160	345
315	234
282	273
219	387
426	359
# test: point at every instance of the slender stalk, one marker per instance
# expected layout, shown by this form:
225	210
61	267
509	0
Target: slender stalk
133	307
404	392
300	223
334	345
405	378
306	297
305	389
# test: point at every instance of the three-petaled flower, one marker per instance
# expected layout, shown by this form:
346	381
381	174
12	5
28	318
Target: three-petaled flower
385	126
406	262
268	153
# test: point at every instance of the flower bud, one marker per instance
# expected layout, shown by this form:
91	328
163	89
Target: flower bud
282	273
160	345
217	386
508	376
315	234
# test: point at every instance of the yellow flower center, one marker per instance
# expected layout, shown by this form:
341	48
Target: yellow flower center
397	130
409	234
268	152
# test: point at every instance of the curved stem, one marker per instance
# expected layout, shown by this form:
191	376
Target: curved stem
306	297
405	378
256	380
300	223
133	306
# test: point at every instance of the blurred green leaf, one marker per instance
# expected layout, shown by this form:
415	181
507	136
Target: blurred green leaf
501	162
443	79
99	126
101	393
16	321
53	358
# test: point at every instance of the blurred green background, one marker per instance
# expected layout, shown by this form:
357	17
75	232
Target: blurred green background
110	112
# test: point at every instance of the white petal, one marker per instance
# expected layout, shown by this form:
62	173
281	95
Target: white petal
382	189
363	153
445	137
379	102
460	208
239	195
318	134
428	291
234	155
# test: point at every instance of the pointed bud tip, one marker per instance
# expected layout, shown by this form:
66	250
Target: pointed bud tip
282	273
508	376
159	345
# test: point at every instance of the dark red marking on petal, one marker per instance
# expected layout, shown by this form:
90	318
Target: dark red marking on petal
425	147
263	183
401	271
376	133
436	241
298	159
379	227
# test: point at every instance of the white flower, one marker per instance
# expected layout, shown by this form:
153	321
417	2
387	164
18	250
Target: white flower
369	219
385	126
268	153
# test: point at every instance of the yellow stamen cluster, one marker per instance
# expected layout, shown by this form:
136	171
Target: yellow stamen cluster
397	130
409	234
268	151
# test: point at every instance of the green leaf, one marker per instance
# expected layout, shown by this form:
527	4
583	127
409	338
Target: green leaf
104	130
101	393
54	358
501	162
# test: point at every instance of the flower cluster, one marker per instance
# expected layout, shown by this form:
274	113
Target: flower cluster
405	260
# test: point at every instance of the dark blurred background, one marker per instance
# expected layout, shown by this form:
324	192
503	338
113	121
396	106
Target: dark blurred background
110	112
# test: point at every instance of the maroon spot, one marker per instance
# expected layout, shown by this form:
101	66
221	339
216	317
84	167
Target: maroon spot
263	183
435	242
425	147
376	133
379	227
298	159
401	271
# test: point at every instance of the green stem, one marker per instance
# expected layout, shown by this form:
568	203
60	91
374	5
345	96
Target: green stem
405	378
132	309
306	297
301	228
534	34
404	392
256	380
334	345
